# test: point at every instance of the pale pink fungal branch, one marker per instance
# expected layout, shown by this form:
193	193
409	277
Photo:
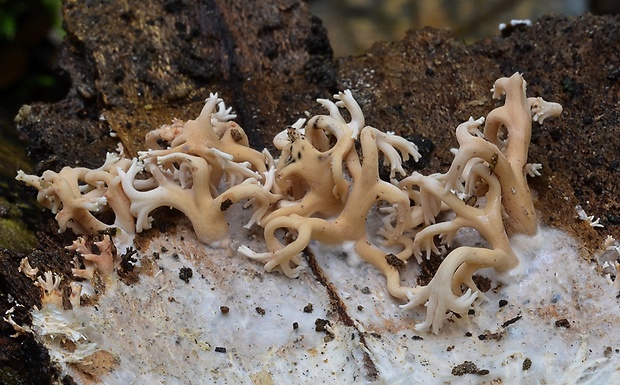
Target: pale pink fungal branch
305	175
533	169
108	181
66	197
592	221
389	144
102	261
506	156
223	114
50	284
198	200
311	169
540	109
79	196
75	298
345	100
233	172
211	136
204	156
489	166
321	127
19	329
444	293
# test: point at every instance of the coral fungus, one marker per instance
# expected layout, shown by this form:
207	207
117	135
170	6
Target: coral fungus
77	194
190	193
322	187
350	223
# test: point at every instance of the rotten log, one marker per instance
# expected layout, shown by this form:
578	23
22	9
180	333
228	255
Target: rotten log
136	67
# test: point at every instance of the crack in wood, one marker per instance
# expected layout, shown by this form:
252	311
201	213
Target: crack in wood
339	308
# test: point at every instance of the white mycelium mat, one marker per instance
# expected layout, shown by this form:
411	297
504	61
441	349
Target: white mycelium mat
233	323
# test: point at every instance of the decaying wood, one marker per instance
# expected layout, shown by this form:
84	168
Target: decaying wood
135	66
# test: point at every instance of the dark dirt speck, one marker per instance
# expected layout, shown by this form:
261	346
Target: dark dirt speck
468	367
185	273
562	323
395	262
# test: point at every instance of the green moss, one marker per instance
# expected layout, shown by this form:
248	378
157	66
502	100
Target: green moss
14	233
12	155
16	207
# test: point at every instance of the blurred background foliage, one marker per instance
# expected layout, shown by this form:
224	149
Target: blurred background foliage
12	12
30	36
354	25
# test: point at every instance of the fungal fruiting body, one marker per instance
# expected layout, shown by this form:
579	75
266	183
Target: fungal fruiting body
322	187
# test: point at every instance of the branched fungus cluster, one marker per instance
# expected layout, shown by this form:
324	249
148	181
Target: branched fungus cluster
322	187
